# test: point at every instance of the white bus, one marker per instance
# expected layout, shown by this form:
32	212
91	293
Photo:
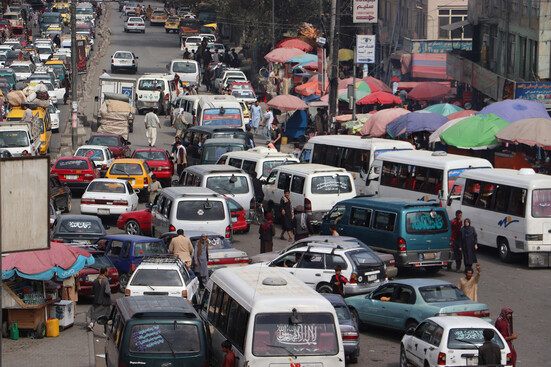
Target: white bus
351	152
510	209
271	318
420	174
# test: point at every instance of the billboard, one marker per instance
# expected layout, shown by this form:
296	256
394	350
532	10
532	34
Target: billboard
364	11
365	49
535	91
81	60
24	204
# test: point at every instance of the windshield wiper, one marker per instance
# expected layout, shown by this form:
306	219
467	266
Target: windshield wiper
285	348
226	191
170	345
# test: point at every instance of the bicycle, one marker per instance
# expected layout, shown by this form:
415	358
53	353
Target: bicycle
257	214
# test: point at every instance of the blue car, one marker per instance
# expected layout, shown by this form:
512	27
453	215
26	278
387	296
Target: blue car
127	251
403	304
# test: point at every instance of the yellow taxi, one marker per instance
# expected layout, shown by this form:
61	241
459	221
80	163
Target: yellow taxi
64	9
16	114
59	68
158	17
172	24
52	31
135	171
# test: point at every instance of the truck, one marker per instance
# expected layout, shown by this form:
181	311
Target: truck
17	137
188	28
111	87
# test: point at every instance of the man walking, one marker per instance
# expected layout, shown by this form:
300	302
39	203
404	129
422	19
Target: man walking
489	353
455	240
338	281
256	115
151	124
181	159
154	188
469	284
268	120
182	247
102	299
200	260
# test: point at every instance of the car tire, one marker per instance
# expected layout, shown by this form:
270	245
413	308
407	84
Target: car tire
356	318
247	229
40	331
69	204
123	281
410	323
353	359
325	288
403	359
112	69
132	227
504	250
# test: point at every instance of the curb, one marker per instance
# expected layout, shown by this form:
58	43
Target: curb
92	354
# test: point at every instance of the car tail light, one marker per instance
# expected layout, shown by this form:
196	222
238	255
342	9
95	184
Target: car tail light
228	232
112	61
120	202
88	201
392	263
252	204
127	292
146	181
115	273
133	62
401	245
132	267
89	176
171	228
130	24
194	120
441	358
58	240
349	335
166	97
184	294
122	364
353	278
509	359
307	205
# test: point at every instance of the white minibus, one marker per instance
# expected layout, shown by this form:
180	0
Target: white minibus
419	174
351	152
510	209
220	111
271	318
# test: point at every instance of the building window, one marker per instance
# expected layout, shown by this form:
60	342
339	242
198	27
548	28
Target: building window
535	8
512	49
522	60
450	16
524	8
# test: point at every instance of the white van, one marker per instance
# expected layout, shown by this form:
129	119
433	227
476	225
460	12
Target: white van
315	186
220	110
260	160
187	70
17	137
271	318
187	107
148	95
190	208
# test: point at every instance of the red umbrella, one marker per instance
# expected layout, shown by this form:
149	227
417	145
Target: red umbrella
311	66
382	86
295	43
459	114
380	98
282	54
428	90
287	103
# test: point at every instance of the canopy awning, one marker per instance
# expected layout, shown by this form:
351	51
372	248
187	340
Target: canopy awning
429	66
453	26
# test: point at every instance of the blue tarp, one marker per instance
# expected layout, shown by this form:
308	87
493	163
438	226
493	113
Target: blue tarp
296	125
56	270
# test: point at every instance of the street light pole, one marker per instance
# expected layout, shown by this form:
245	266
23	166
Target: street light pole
74	73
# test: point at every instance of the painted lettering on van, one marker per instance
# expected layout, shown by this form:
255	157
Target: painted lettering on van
297	334
505	222
147	338
424	222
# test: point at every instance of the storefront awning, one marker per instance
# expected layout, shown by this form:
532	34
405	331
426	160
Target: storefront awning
429	66
453	26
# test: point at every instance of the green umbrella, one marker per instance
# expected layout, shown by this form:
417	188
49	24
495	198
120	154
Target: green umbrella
475	132
362	90
444	109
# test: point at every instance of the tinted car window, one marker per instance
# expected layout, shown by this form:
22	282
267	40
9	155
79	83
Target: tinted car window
202	210
109	141
331	184
164	338
71	164
149	248
342	312
150	155
111	187
126	169
363	257
157	277
93	154
442	293
224	184
184	67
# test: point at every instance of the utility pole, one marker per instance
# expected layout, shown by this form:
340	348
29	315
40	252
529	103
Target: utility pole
334	59
273	24
74	73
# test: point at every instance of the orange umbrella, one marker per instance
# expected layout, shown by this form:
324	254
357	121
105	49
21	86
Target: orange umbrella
380	98
309	88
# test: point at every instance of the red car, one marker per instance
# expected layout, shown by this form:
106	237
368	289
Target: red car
118	145
91	272
75	172
160	163
237	211
135	223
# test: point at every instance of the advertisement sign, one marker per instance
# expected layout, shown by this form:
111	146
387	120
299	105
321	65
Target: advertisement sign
321	69
536	91
435	46
364	11
365	49
81	60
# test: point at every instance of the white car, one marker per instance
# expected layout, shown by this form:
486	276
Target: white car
124	60
54	116
192	43
100	154
56	94
164	276
107	196
450	341
3	58
134	24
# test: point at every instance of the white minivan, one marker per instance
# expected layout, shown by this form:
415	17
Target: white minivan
187	70
317	187
148	95
259	161
185	107
220	110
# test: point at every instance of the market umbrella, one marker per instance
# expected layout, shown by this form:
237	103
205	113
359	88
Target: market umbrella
475	132
362	90
380	98
61	260
311	65
516	109
346	54
415	122
444	109
282	54
435	136
309	88
378	83
376	125
428	90
287	102
463	113
534	131
295	43
344	83
303	59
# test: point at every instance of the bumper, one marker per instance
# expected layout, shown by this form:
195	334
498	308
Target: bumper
135	29
391	272
423	258
144	104
104	209
539	259
129	67
361	288
351	347
162	174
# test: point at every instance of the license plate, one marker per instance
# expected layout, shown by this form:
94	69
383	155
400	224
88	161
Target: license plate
92	277
372	278
150	103
103	211
185	83
428	255
472	361
71	177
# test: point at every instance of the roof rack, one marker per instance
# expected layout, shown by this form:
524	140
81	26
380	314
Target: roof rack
162	259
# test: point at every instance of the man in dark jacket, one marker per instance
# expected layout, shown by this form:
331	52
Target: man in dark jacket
489	354
102	299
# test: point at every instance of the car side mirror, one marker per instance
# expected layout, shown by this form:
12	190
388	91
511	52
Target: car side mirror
410	331
137	57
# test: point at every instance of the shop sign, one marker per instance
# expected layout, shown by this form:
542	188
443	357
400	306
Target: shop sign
364	11
438	47
365	49
535	91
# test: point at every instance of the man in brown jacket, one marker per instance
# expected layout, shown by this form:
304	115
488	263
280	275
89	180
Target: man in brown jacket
181	246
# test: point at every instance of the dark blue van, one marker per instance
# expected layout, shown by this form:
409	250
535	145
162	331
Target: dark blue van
416	233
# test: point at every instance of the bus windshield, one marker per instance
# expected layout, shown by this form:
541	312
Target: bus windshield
301	334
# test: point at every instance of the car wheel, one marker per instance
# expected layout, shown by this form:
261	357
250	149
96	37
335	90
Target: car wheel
403	359
356	318
504	250
69	204
325	288
132	227
247	229
5	329
123	281
40	330
411	324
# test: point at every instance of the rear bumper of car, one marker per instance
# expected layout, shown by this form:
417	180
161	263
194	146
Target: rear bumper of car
147	104
135	28
440	257
76	185
97	209
352	289
351	347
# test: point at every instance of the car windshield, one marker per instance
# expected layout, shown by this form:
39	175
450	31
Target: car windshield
171	338
126	169
159	13
222	117
12	139
109	141
123	55
200	210
151	84
442	293
44	50
364	257
212	152
541	203
93	154
173	19
149	155
334	184
157	278
342	312
72	164
49	19
426	222
80	226
228	184
308	334
464	338
106	186
184	67
4	21
100	261
150	248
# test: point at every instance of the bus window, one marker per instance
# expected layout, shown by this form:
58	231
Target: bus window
319	154
502	195
384	221
434	181
472	191
235	162
541	203
388	175
216	292
420	183
485	198
517	204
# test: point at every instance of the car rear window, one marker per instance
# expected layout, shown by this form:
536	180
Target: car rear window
342	312
184	67
150	156
123	55
333	184
151	84
71	164
149	248
109	141
212	152
169	338
426	222
105	186
157	278
464	338
200	210
80	226
364	257
126	169
228	185
442	293
135	20
93	154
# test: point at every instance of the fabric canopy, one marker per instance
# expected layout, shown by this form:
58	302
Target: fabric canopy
379	98
475	132
282	54
295	43
532	132
287	103
516	109
428	90
376	125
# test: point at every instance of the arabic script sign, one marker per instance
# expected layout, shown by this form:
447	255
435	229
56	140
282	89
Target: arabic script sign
535	91
365	49
364	11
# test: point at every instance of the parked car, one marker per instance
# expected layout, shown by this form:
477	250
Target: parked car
136	223
75	172
404	304
82	229
126	252
349	329
135	171
450	341
105	196
118	145
89	273
60	194
124	60
54	212
237	211
160	163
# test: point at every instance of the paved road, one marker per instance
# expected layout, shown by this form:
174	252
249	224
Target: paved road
527	291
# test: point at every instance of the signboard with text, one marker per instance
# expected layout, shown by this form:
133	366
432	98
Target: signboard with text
535	91
364	11
321	69
365	49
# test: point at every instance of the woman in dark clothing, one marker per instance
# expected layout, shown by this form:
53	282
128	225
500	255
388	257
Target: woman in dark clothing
276	136
302	223
286	206
267	232
469	244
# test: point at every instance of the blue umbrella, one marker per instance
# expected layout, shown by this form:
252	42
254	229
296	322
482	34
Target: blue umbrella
303	59
516	109
415	122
